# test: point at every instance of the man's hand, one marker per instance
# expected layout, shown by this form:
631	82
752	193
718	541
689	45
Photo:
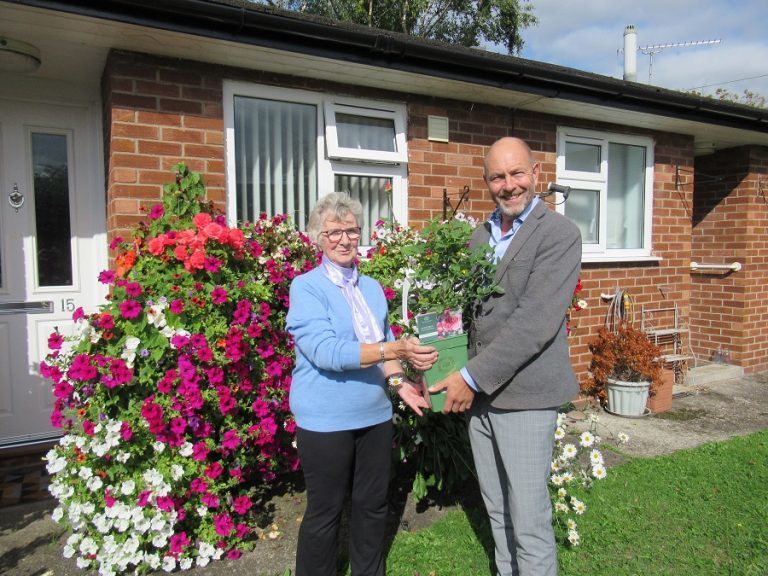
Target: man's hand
460	395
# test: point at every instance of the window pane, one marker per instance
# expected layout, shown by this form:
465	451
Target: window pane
371	191
626	195
50	172
582	157
365	132
583	207
275	158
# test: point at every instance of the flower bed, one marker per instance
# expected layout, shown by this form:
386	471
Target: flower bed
173	396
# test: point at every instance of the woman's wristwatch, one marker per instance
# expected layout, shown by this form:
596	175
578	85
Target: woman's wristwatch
396	379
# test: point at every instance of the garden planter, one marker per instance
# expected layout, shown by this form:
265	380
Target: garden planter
627	398
662	400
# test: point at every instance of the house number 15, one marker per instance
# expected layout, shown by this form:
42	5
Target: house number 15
67	304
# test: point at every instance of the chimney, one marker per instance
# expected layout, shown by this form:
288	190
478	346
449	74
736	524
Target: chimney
630	53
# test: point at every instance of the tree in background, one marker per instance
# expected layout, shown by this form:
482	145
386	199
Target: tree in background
463	22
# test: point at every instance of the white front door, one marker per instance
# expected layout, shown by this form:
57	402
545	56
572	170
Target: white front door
52	246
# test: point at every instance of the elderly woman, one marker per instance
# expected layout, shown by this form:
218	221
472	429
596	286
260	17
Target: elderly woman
345	358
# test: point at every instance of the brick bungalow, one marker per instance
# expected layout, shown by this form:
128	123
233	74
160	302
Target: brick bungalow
274	108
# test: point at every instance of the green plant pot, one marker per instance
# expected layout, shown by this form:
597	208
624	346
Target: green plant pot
438	400
452	356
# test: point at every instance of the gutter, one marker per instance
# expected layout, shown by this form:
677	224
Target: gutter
243	22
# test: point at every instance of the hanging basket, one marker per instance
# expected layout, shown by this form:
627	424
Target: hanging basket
627	398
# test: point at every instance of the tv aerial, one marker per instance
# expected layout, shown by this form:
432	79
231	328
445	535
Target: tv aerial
653	49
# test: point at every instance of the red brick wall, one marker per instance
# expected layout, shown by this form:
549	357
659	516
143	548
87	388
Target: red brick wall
160	112
730	224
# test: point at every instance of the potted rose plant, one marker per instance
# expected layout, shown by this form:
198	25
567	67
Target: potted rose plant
429	271
623	369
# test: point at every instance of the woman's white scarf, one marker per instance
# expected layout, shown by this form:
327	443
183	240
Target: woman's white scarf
366	327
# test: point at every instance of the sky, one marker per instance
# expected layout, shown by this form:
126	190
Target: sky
589	35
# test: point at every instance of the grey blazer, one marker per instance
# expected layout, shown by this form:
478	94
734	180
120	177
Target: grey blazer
518	346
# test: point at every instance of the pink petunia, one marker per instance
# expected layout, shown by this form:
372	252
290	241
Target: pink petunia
88	427
223	524
106	276
242	504
78	314
214	470
130	309
55	341
218	295
156	211
176	306
133	289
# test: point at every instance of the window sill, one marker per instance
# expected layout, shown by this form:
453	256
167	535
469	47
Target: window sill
589	259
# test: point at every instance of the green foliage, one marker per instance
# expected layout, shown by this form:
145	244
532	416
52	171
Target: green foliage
463	22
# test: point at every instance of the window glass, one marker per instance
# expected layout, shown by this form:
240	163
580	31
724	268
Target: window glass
626	195
50	171
275	158
583	207
371	191
365	132
581	157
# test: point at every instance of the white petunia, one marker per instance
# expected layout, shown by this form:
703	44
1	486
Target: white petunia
186	449
127	487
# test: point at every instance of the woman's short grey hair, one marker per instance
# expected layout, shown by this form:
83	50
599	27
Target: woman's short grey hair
333	206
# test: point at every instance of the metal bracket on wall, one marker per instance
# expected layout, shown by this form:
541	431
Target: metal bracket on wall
447	202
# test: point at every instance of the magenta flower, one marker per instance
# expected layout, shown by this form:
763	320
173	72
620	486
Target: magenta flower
223	524
218	295
130	309
55	341
156	212
88	427
176	306
210	500
242	504
214	470
78	314
133	289
179	542
230	440
198	485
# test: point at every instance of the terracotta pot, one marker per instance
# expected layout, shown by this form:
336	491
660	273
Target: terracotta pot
662	400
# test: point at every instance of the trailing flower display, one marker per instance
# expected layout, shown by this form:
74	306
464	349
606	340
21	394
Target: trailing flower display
173	396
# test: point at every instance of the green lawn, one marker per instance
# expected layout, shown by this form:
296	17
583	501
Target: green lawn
696	512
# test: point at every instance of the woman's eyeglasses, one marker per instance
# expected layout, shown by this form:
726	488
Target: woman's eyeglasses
336	234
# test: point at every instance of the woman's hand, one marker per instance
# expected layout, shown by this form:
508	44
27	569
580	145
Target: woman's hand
413	395
418	356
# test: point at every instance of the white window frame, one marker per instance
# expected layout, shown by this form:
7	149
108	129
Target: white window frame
331	159
372	109
599	181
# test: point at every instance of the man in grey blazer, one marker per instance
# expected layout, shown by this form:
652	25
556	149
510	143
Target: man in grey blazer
519	371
